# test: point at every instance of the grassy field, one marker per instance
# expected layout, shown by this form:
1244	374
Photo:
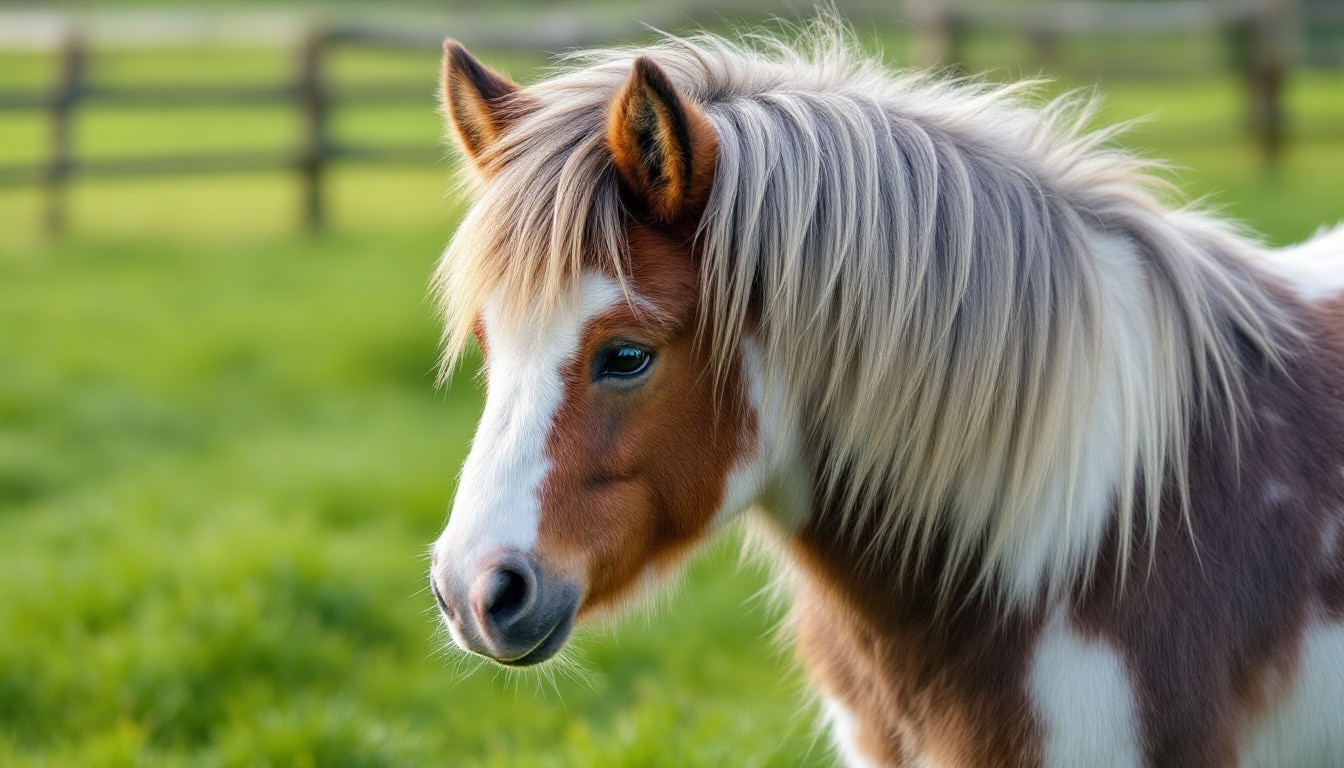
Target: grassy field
222	460
220	468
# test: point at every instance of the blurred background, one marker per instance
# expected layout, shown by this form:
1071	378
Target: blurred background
222	457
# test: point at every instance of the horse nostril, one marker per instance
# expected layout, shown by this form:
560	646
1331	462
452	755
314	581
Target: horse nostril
443	604
508	596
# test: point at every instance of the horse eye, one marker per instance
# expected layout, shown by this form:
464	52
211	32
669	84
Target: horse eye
623	362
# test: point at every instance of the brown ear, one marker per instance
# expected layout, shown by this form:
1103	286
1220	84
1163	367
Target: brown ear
663	146
479	102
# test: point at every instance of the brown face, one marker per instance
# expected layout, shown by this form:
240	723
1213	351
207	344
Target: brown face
602	456
639	461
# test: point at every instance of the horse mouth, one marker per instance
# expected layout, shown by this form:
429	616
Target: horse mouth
548	647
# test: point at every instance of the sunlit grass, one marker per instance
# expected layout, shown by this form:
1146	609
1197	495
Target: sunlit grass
221	468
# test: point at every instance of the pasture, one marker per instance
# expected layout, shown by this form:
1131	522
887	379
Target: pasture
222	460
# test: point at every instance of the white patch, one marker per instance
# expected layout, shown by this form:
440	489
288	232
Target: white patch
497	506
1305	729
1315	268
1082	693
770	474
1277	492
844	734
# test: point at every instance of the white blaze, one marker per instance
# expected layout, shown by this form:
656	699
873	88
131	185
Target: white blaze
497	506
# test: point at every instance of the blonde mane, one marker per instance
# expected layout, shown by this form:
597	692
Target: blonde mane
922	254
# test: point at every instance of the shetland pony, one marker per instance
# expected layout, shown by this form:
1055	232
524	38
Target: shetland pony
1056	473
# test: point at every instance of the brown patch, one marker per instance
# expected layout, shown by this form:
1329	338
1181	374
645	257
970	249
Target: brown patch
663	146
1332	578
1330	321
1211	630
638	474
479	102
1330	388
478	331
946	684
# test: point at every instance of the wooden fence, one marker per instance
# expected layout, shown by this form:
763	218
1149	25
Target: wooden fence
1260	31
308	92
1259	34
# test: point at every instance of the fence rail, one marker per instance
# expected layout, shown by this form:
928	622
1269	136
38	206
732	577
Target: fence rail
309	93
1256	30
1259	33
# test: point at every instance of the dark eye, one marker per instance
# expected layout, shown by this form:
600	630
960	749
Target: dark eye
623	362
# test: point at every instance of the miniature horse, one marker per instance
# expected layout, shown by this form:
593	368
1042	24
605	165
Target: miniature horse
1056	473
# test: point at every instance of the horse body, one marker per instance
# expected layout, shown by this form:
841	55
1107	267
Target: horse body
941	344
1228	649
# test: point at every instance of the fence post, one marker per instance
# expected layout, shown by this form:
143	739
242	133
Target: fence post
68	90
1261	40
954	28
941	34
313	103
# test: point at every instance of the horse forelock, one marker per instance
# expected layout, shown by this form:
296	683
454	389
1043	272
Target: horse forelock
921	258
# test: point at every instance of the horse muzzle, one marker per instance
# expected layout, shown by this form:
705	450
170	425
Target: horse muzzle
512	612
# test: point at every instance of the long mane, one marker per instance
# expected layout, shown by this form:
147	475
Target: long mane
921	253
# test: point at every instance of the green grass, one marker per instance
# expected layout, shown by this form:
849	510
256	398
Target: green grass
219	473
222	461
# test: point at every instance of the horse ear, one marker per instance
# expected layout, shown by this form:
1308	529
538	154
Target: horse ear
480	103
663	146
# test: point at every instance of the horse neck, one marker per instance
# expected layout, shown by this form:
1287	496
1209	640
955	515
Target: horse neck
1043	555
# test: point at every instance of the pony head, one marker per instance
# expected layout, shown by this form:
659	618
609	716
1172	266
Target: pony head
610	438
